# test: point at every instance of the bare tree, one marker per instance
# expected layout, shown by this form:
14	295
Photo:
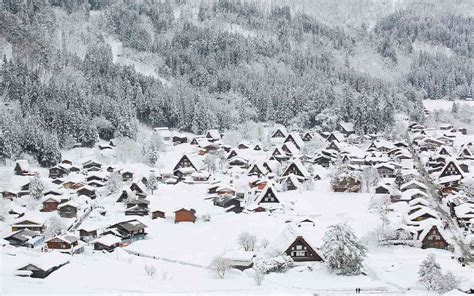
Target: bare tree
220	265
370	177
258	276
247	241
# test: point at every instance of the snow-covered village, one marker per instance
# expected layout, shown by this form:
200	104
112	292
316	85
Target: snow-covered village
241	147
281	211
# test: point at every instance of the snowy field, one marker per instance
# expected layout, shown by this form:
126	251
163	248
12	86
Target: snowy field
432	105
183	252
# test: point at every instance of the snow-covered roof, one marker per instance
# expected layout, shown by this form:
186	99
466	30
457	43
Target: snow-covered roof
46	261
347	126
415	183
108	240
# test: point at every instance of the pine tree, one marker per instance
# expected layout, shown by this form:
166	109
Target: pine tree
342	250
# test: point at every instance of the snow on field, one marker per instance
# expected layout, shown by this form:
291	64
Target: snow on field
141	67
432	105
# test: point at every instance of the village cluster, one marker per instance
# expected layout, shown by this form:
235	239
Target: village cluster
421	187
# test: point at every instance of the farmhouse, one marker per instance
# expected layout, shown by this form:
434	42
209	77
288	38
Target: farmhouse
129	231
68	209
188	164
298	169
432	235
66	243
106	242
296	245
25	238
42	266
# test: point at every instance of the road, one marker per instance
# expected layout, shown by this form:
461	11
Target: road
436	203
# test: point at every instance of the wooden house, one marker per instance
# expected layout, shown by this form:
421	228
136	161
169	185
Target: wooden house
279	133
296	245
22	168
26	223
213	135
137	207
267	195
292	181
9	194
25	238
68	209
92	165
50	203
66	243
296	168
87	233
88	191
127	176
347	128
188	164
306	137
333	145
295	138
158	214
382	189
184	215
128	231
41	268
432	236
385	170
413	184
106	242
72	185
56	172
179	140
257	169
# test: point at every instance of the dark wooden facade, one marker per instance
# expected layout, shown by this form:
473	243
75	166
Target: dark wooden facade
301	251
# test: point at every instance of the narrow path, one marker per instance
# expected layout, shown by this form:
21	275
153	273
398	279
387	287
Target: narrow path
436	203
80	220
138	254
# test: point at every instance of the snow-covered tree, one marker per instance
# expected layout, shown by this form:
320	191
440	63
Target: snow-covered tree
448	282
370	178
54	226
152	148
279	263
36	187
114	184
210	160
127	150
220	266
342	250
313	146
150	270
258	276
152	183
429	273
247	241
232	138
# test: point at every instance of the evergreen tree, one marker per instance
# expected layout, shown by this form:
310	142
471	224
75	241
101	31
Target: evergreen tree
342	250
36	187
429	273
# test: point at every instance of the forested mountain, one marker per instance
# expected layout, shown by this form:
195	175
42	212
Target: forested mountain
216	64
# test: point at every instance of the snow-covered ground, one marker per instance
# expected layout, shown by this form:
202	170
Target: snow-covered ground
183	252
432	105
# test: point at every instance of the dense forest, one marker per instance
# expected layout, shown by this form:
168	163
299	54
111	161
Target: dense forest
218	63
